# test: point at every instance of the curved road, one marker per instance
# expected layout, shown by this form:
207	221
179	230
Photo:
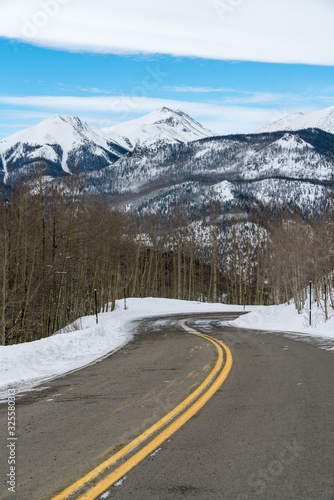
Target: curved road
267	433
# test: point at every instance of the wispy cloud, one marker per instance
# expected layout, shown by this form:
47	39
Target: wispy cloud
107	110
93	90
262	98
257	30
65	87
240	96
326	98
196	90
115	104
23	114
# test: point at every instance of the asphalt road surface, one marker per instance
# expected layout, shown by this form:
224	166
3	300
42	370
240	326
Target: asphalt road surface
267	433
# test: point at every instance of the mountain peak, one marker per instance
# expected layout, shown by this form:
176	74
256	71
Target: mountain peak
323	120
64	118
162	126
63	141
72	120
164	109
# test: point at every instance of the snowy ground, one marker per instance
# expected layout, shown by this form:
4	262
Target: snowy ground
285	318
24	366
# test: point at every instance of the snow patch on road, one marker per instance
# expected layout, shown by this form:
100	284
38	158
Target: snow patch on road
120	482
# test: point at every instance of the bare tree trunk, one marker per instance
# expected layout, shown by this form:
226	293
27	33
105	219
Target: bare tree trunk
4	288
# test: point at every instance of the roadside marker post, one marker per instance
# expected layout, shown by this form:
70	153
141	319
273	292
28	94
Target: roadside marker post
97	317
326	311
310	303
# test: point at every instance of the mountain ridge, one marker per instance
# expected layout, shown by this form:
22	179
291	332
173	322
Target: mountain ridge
163	126
291	169
60	143
65	143
322	119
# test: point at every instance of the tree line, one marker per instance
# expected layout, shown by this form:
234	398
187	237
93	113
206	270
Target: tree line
57	247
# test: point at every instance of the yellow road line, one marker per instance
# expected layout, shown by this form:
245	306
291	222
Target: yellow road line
117	474
171	429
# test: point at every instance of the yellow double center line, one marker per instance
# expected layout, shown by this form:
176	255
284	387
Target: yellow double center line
197	400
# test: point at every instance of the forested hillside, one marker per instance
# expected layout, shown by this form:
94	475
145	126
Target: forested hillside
294	170
57	248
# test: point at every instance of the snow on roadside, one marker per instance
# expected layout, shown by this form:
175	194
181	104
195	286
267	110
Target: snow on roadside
285	318
23	366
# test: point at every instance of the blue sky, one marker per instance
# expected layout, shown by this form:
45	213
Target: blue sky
46	72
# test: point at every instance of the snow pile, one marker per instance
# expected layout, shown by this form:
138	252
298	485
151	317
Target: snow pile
286	318
25	365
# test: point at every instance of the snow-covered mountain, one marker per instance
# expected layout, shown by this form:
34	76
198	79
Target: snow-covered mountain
169	158
323	120
163	126
63	144
291	169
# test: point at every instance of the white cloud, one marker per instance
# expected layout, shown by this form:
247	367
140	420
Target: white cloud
258	30
122	104
242	96
22	114
261	98
326	98
105	111
196	90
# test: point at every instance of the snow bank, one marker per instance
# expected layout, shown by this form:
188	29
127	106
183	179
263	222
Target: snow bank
24	365
286	318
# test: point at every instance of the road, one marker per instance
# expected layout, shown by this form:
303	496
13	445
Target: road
267	433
